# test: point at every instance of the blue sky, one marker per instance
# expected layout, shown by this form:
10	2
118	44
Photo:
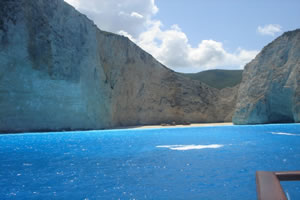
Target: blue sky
234	22
196	35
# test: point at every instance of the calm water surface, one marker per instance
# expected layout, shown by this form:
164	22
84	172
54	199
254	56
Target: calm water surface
176	163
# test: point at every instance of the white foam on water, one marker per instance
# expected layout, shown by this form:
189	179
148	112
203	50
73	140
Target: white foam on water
288	196
190	147
282	133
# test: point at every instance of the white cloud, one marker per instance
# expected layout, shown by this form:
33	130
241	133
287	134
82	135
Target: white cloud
137	15
172	48
74	3
134	19
270	29
115	15
124	33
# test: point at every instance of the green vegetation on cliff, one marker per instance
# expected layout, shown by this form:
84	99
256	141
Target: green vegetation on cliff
218	78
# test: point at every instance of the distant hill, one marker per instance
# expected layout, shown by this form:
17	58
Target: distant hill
218	78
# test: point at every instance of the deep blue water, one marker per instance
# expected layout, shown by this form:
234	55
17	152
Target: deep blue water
141	164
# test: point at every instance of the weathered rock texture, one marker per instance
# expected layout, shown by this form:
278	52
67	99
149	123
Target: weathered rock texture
270	89
146	92
59	71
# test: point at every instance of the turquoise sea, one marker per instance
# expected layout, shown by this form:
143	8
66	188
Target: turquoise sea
170	163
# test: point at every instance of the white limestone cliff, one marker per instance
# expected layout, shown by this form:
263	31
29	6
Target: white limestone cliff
270	89
58	71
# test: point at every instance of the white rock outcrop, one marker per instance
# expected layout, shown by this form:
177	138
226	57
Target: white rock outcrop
58	71
270	89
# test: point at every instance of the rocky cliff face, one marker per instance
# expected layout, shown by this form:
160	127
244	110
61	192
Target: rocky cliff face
270	89
50	70
59	71
143	91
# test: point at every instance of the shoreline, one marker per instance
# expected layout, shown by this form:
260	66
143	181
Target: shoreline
143	127
120	128
175	126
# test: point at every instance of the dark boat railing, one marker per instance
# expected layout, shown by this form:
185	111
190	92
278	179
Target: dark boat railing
268	184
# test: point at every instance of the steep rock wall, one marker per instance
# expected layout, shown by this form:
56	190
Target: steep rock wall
269	92
58	71
146	92
50	71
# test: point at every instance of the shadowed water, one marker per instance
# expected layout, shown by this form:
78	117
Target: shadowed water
176	163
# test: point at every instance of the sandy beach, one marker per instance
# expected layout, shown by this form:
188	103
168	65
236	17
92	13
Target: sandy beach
177	126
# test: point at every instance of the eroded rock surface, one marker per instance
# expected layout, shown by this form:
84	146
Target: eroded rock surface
270	89
58	71
146	92
50	71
